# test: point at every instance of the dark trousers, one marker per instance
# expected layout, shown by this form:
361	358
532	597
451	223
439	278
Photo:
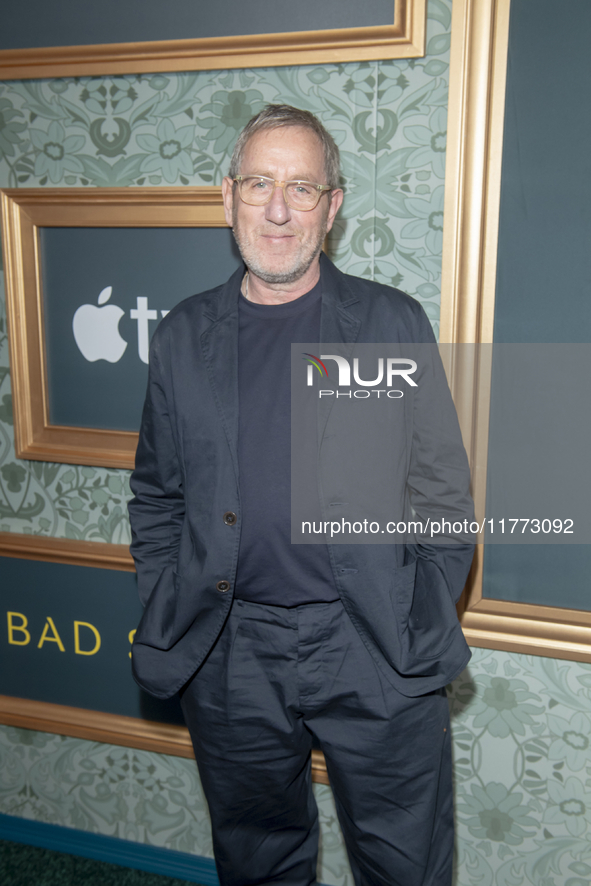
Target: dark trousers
276	677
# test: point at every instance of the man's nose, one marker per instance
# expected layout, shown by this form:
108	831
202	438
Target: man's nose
277	210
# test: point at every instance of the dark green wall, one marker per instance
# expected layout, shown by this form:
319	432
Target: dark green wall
543	289
71	22
544	257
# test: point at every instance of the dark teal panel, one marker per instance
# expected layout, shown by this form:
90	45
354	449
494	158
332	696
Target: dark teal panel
162	265
104	598
71	22
544	251
544	254
548	575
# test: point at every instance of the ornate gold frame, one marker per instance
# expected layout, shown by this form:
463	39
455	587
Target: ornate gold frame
67	551
404	38
480	31
23	212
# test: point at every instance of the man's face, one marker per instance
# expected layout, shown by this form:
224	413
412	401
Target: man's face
278	243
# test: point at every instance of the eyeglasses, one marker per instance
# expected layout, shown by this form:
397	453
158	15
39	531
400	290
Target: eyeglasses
257	190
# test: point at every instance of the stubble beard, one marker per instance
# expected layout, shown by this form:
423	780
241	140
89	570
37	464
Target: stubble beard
301	261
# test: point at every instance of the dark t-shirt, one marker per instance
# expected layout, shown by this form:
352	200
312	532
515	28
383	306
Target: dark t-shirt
270	569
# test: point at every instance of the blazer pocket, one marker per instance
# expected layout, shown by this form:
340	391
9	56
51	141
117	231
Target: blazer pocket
160	625
402	592
426	616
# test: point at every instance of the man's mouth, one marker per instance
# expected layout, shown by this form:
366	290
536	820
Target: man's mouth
278	238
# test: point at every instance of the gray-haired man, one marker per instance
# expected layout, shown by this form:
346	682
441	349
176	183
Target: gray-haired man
273	644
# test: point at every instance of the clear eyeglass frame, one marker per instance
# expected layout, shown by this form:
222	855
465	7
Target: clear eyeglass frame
293	200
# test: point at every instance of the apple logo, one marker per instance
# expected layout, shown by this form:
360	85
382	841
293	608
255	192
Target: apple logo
96	330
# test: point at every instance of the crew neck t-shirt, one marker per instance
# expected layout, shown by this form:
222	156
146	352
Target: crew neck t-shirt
270	569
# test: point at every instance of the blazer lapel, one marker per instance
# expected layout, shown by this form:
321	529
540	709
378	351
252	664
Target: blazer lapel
337	325
220	350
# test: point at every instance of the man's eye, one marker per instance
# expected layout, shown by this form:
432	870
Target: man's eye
259	185
302	189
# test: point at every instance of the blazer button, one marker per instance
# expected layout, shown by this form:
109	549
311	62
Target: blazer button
223	586
230	518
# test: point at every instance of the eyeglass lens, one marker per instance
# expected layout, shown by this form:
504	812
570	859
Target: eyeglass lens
257	191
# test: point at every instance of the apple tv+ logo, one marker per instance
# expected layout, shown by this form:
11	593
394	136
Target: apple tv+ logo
105	290
96	329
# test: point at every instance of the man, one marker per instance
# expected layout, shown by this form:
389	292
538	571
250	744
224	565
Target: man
269	643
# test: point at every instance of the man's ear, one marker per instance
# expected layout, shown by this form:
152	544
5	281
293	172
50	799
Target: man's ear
228	198
336	199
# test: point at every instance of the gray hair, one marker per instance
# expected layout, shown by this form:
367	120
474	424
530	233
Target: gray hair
277	116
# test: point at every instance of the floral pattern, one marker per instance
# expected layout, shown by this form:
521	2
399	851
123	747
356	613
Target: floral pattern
497	815
433	140
571	805
168	150
571	740
56	153
11	125
523	807
503	708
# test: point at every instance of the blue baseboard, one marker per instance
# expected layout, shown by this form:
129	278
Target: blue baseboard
179	865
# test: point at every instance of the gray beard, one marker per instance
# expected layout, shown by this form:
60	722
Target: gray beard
288	276
268	276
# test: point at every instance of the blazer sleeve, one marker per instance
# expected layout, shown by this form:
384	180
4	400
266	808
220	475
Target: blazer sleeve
158	508
439	477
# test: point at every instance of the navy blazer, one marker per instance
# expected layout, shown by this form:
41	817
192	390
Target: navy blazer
401	598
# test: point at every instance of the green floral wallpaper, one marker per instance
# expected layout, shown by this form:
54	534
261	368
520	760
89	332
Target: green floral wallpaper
521	724
522	731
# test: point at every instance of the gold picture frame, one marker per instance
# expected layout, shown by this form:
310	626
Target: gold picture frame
26	210
70	552
404	38
480	33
